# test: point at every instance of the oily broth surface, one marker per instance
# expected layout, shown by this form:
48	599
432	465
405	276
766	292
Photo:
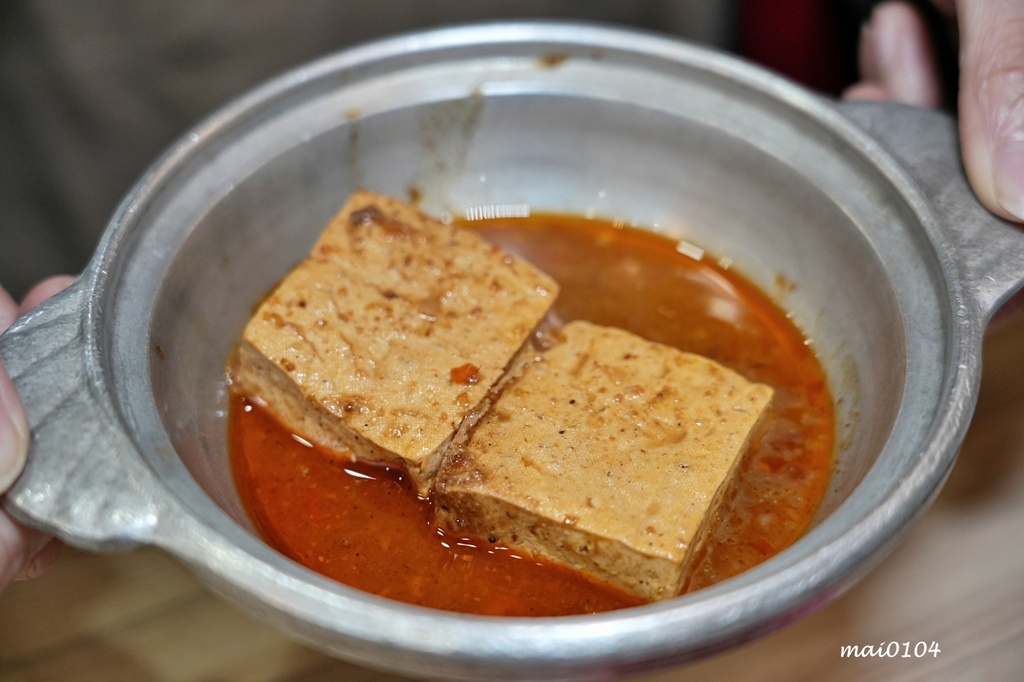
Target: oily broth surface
364	525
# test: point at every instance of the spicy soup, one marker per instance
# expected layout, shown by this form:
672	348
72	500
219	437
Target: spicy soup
364	524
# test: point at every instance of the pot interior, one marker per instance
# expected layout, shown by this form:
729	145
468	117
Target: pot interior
723	156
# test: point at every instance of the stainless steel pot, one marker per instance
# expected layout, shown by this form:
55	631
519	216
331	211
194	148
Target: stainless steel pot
857	217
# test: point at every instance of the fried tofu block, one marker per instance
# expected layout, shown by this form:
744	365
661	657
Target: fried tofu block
390	333
609	454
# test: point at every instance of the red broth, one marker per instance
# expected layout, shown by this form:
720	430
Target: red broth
365	525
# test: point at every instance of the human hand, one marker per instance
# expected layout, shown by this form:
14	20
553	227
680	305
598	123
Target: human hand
897	63
24	553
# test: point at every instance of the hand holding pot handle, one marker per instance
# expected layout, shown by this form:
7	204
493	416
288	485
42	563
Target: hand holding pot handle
989	251
81	482
24	552
897	63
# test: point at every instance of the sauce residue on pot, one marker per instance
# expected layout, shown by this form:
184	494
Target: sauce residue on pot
366	526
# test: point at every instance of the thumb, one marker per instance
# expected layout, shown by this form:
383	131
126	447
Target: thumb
13	433
13	425
992	102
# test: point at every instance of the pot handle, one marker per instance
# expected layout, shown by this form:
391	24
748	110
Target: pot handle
990	250
82	481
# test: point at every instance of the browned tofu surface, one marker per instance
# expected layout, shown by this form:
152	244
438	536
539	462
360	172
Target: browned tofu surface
609	454
390	333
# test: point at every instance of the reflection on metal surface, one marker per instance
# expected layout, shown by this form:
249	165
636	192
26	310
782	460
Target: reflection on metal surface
497	211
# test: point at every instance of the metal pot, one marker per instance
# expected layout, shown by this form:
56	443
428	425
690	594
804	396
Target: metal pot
857	217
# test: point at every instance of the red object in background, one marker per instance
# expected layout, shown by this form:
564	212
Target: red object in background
800	39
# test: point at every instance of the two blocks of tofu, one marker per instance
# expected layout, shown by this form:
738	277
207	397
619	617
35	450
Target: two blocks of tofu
390	334
404	340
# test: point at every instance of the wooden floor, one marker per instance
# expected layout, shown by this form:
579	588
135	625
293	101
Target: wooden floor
957	580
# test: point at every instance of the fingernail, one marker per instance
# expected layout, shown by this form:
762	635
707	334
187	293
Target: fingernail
1008	169
13	433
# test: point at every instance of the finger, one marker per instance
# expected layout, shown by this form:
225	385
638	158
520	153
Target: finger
896	55
8	310
42	561
43	291
17	547
992	102
867	91
13	433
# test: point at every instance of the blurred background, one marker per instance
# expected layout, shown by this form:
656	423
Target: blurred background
92	91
